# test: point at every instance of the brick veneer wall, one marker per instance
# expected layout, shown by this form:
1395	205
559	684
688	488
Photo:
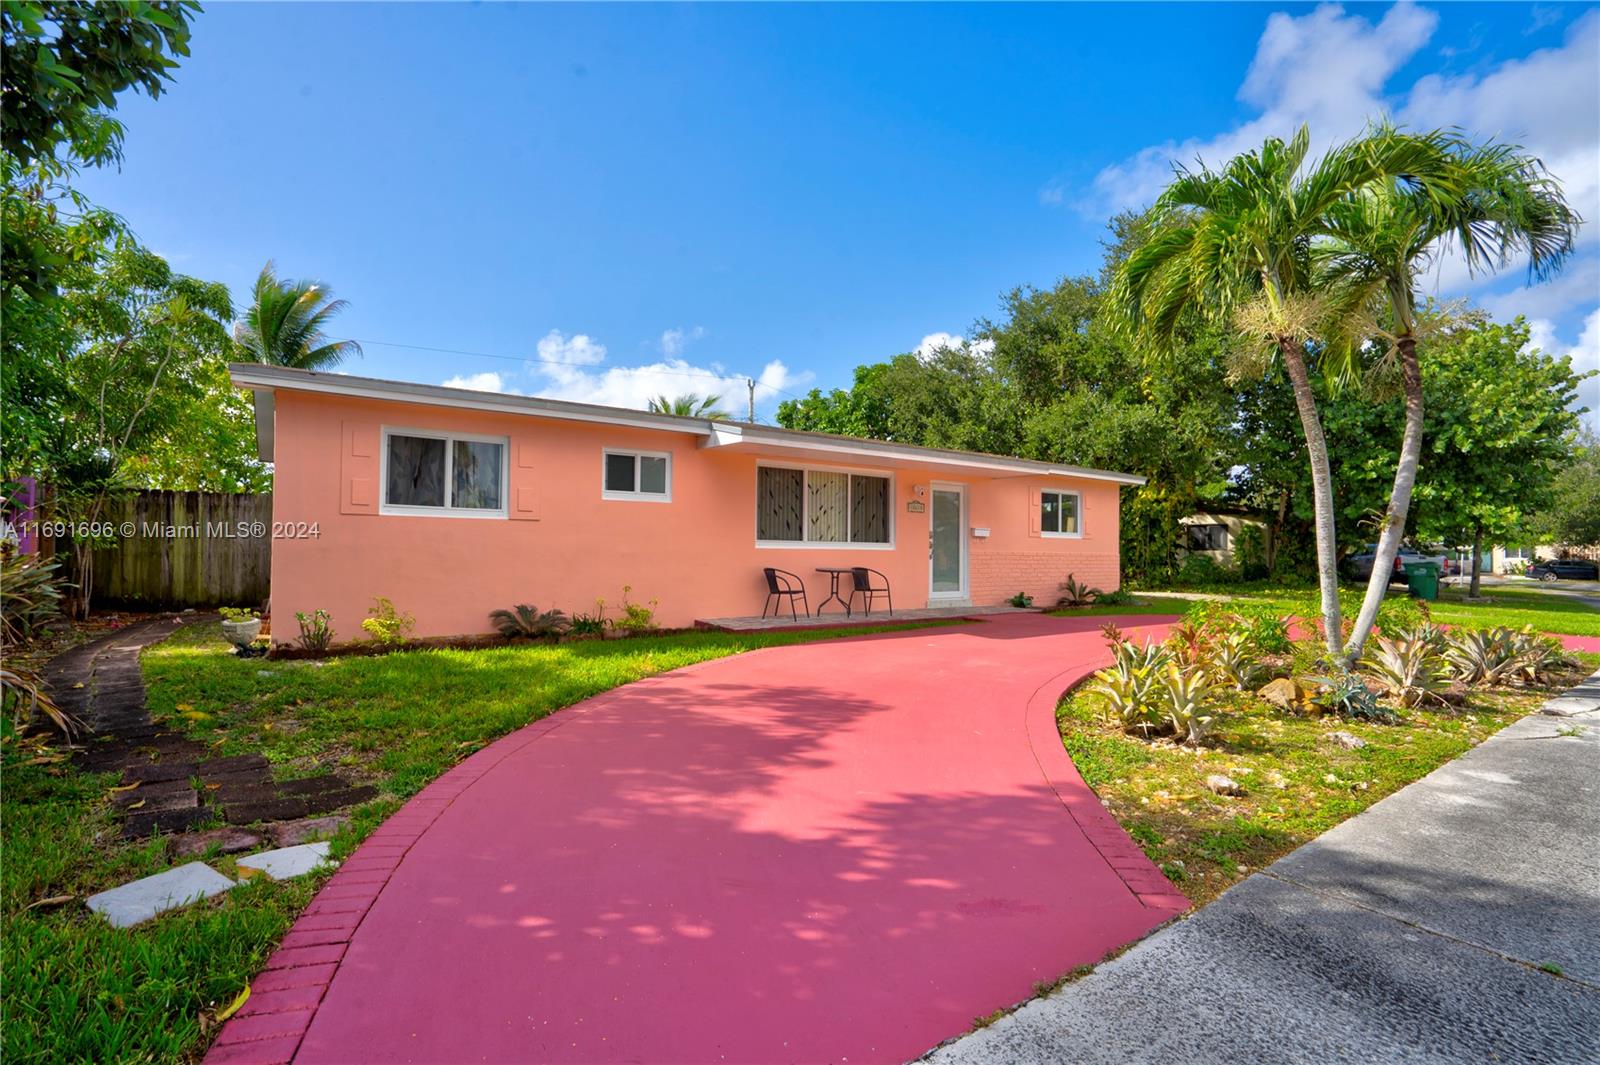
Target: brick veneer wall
998	575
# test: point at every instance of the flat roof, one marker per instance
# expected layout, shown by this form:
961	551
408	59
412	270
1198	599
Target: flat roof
264	380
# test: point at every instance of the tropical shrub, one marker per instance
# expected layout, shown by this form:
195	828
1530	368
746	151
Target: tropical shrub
1190	643
1074	594
1199	571
24	700
316	634
525	621
1250	548
1267	629
636	617
1128	686
1538	657
588	624
1120	597
1481	656
1410	670
1233	661
386	625
1021	600
1346	694
30	596
1186	698
1402	613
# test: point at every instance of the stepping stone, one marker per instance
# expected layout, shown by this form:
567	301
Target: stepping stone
141	823
237	763
285	862
292	832
226	840
158	771
143	899
162	795
296	806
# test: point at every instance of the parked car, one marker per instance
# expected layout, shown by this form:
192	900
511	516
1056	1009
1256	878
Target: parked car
1359	566
1564	569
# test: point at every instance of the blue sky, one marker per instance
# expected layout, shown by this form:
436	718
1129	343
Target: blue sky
625	200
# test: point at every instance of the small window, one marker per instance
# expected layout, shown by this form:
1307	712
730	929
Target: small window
435	473
1058	513
801	506
1208	537
637	475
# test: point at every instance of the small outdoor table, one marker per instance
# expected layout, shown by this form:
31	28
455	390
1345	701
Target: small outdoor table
834	573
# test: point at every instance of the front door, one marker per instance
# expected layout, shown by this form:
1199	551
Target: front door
947	543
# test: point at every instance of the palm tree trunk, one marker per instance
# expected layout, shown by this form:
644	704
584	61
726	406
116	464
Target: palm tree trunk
1477	561
1294	360
1394	521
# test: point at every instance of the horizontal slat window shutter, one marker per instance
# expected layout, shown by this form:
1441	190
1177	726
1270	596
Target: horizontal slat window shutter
1033	512
524	479
360	464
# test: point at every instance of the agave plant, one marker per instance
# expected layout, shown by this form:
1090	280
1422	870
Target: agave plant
1347	695
525	621
1411	670
1536	657
1186	695
1424	632
1233	661
1074	594
1481	656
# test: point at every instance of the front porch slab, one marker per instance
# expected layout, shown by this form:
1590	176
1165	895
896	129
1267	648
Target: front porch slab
839	620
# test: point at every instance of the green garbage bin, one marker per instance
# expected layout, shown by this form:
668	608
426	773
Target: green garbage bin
1423	579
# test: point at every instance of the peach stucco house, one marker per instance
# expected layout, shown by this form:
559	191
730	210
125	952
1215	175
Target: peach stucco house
453	503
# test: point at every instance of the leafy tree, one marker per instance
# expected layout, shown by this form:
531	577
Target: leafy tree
690	405
1234	246
283	325
66	62
862	410
1493	204
1504	420
1573	515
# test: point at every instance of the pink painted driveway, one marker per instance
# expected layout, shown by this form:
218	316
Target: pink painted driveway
832	852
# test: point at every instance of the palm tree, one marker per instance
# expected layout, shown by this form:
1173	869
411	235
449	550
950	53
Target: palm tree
284	324
1234	246
1382	238
690	405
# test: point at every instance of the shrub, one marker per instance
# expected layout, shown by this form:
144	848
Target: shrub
1250	548
636	617
315	632
1074	594
30	596
1267	630
1346	694
1401	613
1190	643
1120	597
386	625
589	624
1411	670
1233	661
525	621
1198	571
1021	600
23	700
1480	656
1186	694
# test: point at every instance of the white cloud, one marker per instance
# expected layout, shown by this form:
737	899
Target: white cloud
1336	93
576	350
1579	282
673	341
935	342
1585	355
481	382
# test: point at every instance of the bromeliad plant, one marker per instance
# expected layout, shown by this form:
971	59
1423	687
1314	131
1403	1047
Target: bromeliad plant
1233	661
1348	696
1187	697
1074	594
527	622
1538	657
1481	656
1128	686
1411	670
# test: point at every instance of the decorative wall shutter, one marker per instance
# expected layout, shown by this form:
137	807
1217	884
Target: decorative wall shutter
524	485
1033	512
359	467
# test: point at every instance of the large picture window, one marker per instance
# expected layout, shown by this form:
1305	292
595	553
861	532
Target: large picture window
802	506
1058	514
440	473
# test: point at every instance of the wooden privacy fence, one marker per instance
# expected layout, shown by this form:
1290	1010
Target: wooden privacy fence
178	549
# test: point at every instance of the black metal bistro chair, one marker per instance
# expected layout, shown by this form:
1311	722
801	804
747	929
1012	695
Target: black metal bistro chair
861	584
781	583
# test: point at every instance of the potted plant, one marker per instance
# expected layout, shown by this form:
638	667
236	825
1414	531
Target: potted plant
240	625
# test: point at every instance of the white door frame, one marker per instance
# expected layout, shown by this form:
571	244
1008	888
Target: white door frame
960	596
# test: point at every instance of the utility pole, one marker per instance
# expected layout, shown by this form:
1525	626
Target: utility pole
751	384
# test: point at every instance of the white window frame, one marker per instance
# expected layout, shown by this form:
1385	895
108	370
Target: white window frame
805	522
635	496
446	511
1077	508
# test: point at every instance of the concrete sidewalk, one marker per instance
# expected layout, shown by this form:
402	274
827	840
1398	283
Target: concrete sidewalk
1457	920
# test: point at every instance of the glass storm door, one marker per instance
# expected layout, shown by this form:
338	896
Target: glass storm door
947	547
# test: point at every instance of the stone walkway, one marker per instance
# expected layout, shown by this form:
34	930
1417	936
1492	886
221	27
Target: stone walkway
178	784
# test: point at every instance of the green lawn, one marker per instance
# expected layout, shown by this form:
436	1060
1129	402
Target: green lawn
77	990
1513	607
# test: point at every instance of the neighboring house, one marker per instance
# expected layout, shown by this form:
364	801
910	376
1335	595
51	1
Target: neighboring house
454	503
1501	559
1215	534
